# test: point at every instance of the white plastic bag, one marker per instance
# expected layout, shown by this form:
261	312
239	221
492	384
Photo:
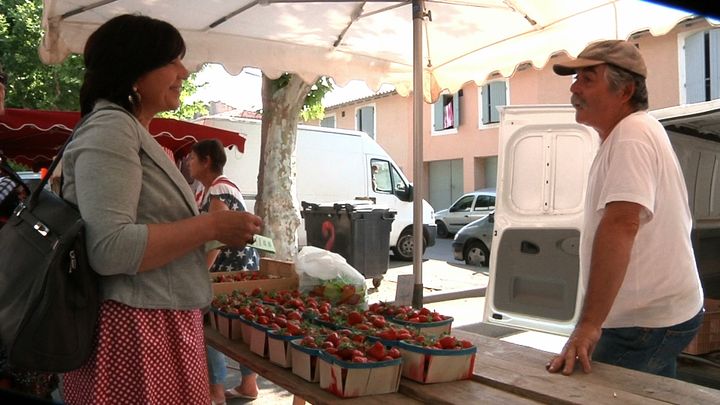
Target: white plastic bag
319	267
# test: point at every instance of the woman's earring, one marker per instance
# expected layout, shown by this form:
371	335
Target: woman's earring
134	96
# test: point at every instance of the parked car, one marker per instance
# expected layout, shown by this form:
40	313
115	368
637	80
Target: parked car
32	179
472	242
468	208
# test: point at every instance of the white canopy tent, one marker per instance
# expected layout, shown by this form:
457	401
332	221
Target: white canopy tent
463	40
435	44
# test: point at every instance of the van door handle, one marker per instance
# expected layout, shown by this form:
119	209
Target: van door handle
529	248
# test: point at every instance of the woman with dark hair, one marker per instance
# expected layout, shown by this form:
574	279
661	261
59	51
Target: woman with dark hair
218	193
144	235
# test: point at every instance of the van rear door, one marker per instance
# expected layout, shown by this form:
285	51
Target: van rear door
543	161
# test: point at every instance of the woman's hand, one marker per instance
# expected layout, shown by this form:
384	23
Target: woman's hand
235	228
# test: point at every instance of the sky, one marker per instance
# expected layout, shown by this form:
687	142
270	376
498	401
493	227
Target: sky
243	91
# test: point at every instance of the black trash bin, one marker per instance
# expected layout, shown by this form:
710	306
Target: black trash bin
359	234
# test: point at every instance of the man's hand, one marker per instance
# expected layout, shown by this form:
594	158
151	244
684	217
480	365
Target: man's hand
579	347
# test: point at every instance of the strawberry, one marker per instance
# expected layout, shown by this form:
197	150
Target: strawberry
394	353
333	338
388	334
378	321
354	317
359	359
377	351
294	329
447	342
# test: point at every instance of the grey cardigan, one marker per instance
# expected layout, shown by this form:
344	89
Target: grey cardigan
121	180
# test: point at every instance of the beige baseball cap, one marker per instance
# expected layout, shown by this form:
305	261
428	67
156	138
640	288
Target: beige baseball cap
622	54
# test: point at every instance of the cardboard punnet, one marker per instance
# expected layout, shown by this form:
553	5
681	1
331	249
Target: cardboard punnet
259	340
708	337
246	331
279	349
346	379
432	329
285	271
426	365
304	361
229	325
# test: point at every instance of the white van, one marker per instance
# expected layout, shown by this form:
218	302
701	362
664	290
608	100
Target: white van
334	165
544	159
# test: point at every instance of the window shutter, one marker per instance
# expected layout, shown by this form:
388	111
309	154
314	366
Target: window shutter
485	104
367	120
695	68
497	97
456	109
438	109
714	64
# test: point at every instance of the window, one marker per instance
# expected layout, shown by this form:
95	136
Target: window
328	122
385	177
365	120
446	112
380	175
492	95
463	204
484	202
702	66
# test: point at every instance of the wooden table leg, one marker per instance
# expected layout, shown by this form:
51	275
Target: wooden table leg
298	400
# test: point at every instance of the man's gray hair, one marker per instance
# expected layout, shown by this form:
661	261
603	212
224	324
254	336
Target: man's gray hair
618	78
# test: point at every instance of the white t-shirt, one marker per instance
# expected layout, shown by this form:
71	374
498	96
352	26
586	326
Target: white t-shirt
636	163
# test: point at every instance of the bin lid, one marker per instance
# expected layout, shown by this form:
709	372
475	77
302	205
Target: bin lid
347	205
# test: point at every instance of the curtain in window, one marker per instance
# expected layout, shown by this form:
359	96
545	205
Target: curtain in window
448	116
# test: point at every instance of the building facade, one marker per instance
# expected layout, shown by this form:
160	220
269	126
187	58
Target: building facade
460	131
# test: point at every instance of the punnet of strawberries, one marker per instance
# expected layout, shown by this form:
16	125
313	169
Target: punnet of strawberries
444	342
347	349
406	313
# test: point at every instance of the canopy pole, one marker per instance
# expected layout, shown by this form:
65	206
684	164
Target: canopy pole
418	15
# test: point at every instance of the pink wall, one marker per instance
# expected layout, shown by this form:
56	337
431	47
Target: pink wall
528	85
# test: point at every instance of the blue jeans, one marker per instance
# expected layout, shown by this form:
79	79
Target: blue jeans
652	350
217	367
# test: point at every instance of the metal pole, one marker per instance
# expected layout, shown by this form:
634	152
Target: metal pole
418	15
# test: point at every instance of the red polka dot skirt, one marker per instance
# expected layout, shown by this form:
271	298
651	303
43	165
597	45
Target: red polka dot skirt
143	356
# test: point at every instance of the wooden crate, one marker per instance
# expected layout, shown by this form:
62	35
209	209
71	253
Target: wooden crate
288	278
708	338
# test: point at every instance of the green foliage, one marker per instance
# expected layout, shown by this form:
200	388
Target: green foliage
313	108
18	167
32	84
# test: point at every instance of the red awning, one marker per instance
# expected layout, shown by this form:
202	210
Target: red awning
33	137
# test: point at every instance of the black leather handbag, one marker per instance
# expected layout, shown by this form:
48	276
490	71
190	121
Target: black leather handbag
49	298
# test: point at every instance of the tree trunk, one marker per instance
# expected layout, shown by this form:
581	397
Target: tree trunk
276	201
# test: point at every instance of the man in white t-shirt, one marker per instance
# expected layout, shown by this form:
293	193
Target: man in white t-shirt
643	299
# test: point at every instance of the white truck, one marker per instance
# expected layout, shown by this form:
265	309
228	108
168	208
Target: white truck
334	165
544	159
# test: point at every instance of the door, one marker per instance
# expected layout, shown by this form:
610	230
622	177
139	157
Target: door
459	214
544	158
445	182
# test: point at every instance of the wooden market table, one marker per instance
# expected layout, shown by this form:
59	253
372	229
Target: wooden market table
504	373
